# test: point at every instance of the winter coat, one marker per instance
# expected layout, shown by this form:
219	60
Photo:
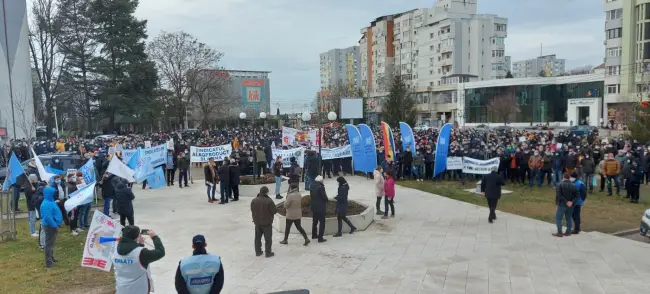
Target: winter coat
389	188
379	183
209	173
50	213
124	197
263	209
588	165
224	174
30	191
342	199
312	166
183	163
293	205
535	162
260	156
235	174
107	188
318	197
611	167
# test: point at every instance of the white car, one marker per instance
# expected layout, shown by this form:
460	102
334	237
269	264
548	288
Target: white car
645	223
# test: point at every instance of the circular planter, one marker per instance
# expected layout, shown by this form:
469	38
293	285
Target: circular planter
361	220
248	189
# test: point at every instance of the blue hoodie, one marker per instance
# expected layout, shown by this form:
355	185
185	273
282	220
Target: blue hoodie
582	192
50	213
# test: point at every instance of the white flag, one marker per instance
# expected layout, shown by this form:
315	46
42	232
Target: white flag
80	197
44	175
120	169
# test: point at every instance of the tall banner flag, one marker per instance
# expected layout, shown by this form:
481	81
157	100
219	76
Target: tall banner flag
80	197
408	139
98	255
369	148
389	143
42	173
157	179
442	148
358	157
14	170
88	171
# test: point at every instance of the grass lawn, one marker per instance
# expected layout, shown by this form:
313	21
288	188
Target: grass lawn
22	266
600	213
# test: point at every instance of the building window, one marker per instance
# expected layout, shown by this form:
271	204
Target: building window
500	27
614	33
614	14
613	89
613	70
497	53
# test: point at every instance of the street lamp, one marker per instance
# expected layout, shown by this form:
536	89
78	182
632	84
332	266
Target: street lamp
56	122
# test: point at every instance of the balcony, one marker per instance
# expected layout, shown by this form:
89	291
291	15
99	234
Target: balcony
446	62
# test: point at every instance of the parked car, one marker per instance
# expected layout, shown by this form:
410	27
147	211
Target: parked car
645	223
582	130
68	160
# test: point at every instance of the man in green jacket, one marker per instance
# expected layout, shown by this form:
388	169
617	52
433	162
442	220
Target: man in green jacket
132	274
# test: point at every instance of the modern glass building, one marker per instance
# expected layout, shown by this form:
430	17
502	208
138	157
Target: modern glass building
538	100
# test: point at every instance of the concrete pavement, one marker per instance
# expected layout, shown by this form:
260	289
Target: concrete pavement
434	245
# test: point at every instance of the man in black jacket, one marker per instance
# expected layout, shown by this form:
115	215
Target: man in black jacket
491	189
235	173
224	180
407	162
318	207
565	195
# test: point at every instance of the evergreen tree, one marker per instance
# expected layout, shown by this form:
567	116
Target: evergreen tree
129	78
400	104
509	75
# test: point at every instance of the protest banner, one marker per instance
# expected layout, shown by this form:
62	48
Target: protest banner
454	163
156	154
480	167
333	153
285	155
147	144
202	154
80	197
98	255
295	137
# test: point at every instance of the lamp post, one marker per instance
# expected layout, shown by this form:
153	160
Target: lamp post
56	122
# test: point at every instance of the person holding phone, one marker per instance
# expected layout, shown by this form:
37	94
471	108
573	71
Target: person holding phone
132	260
565	194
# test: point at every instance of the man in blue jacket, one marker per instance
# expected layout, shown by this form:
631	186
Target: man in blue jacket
51	220
580	200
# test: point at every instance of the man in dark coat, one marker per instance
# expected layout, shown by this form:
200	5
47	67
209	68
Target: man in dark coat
124	197
235	173
491	189
318	207
263	210
224	180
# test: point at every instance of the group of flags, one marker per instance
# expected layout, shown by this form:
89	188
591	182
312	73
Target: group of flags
138	169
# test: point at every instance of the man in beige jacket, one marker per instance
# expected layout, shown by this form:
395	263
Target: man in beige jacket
293	205
379	188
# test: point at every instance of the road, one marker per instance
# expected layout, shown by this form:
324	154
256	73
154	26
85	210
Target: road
636	237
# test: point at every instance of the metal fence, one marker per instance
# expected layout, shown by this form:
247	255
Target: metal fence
7	217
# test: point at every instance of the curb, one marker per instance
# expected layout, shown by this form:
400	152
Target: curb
626	232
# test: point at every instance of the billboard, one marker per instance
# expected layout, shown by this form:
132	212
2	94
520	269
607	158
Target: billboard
253	94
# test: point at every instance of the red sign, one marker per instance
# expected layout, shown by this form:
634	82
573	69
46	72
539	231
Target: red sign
89	261
252	83
3	132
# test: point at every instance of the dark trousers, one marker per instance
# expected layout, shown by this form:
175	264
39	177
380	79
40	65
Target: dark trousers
387	203
524	173
267	232
342	218
378	204
225	190
50	241
492	205
287	228
182	175
318	225
15	192
170	176
260	168
428	170
602	182
123	218
234	192
576	217
514	175
74	218
634	191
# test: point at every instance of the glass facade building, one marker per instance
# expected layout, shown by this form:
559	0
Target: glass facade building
537	103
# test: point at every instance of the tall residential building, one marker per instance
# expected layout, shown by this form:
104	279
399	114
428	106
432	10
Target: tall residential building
550	65
339	67
433	47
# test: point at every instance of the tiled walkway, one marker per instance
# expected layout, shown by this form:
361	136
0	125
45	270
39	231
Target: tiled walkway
434	245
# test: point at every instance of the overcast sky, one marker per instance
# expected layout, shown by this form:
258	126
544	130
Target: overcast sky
287	36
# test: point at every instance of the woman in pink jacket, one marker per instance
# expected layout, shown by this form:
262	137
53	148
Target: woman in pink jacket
389	191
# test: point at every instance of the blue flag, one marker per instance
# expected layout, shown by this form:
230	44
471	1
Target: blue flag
408	139
133	161
54	171
80	197
157	179
88	171
14	170
369	148
442	148
358	157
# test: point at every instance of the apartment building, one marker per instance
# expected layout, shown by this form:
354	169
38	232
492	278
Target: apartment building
340	67
548	65
427	46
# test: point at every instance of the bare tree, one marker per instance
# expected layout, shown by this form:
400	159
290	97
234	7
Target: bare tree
26	118
47	59
581	70
209	93
504	106
176	54
330	100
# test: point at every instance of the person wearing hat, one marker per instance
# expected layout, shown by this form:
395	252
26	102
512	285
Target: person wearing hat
200	273
132	260
491	190
263	209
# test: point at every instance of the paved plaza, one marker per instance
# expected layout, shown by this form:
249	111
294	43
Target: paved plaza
434	245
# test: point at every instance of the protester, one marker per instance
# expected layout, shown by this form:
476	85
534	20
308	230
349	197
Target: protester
581	196
565	195
51	219
342	206
84	210
108	192
312	166
170	167
183	164
277	172
293	207
132	260
234	180
294	171
201	273
73	215
224	180
636	178
30	190
491	189
124	197
39	197
379	188
389	191
318	207
611	169
260	160
211	179
263	210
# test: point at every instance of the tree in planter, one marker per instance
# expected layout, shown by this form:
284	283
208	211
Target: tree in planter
542	73
504	106
509	75
400	104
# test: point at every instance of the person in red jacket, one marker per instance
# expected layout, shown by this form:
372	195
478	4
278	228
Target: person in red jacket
389	192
